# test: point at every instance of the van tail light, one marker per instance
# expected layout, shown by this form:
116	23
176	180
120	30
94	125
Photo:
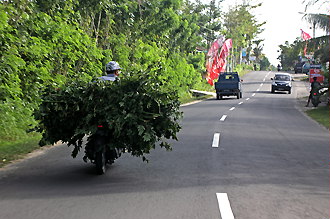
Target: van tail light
100	126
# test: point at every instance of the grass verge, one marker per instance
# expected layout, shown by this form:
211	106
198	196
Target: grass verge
189	98
10	151
244	72
320	114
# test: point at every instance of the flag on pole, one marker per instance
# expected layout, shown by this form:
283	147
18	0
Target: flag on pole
305	50
305	36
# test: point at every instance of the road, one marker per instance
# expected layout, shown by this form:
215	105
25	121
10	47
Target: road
258	157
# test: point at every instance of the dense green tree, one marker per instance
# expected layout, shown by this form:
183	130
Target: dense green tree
242	26
290	52
319	45
264	64
257	50
47	43
37	51
210	21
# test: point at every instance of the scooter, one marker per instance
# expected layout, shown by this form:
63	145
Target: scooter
315	99
98	152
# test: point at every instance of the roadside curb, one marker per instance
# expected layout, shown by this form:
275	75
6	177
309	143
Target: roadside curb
213	94
40	151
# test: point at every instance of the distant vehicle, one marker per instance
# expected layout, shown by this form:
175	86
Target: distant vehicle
298	67
228	84
279	67
282	82
305	68
302	67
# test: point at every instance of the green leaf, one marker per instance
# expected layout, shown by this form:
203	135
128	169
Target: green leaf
141	129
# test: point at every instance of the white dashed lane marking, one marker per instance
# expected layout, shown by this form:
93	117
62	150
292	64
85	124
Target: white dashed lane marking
224	206
231	109
216	140
223	118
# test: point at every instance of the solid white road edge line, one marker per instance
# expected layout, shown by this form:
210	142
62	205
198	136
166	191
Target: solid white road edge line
224	206
232	108
216	140
223	118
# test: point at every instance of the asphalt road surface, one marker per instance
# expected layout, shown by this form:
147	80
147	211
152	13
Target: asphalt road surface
258	157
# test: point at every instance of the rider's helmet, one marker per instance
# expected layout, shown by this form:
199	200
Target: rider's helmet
112	66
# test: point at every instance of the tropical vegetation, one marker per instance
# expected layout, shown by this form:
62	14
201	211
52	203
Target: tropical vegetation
317	46
46	44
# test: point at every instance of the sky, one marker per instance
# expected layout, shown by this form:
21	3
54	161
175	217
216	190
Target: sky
283	22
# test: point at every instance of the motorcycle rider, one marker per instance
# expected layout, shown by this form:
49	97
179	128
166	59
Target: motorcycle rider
101	157
314	86
112	69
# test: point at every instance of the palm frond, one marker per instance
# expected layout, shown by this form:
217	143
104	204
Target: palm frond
313	2
320	47
320	20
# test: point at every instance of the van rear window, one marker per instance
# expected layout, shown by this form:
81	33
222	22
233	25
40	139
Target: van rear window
229	77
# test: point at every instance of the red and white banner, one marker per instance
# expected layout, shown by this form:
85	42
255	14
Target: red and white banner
218	60
313	72
227	45
212	53
305	36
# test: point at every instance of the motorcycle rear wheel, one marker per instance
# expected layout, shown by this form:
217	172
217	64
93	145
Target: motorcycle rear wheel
315	102
100	162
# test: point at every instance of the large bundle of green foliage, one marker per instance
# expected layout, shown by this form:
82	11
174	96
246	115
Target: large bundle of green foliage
137	112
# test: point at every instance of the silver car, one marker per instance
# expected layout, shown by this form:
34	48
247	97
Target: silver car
282	82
